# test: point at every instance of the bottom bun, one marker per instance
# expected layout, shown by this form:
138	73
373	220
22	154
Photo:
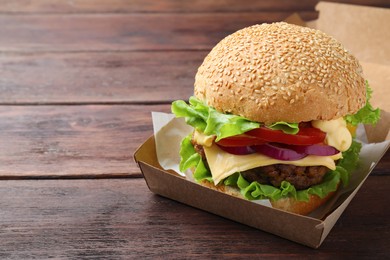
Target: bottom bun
301	207
287	204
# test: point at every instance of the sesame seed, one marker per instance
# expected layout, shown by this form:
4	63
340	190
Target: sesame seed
274	61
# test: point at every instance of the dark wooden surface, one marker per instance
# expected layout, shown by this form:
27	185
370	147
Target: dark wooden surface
78	80
120	218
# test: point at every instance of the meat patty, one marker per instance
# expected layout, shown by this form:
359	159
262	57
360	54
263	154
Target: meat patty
198	148
302	177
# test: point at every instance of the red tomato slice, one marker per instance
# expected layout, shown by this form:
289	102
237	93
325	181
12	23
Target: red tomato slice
240	140
305	136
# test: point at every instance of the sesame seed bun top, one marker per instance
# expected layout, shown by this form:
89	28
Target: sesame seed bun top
281	72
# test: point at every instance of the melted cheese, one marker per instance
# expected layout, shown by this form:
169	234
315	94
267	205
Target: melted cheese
223	164
202	139
337	133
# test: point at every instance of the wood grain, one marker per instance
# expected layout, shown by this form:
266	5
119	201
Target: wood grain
121	218
125	6
383	167
72	141
125	32
102	77
78	80
79	141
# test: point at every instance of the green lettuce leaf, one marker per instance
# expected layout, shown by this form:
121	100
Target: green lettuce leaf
209	121
367	114
255	190
287	128
195	116
191	159
349	162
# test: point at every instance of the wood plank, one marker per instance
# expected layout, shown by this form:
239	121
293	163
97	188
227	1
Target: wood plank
121	218
125	6
383	167
125	32
102	77
72	141
79	141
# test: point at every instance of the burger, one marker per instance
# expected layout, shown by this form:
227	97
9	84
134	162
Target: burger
274	112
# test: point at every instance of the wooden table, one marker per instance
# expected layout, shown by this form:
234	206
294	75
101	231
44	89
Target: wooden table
78	80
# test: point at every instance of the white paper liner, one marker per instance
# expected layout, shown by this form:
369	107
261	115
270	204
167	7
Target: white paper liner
169	131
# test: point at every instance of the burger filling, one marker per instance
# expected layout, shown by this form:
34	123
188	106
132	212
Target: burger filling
274	161
301	177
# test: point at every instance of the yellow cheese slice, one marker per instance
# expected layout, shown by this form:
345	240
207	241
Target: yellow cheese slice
202	139
223	164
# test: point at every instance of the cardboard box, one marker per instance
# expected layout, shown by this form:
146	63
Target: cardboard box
308	230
